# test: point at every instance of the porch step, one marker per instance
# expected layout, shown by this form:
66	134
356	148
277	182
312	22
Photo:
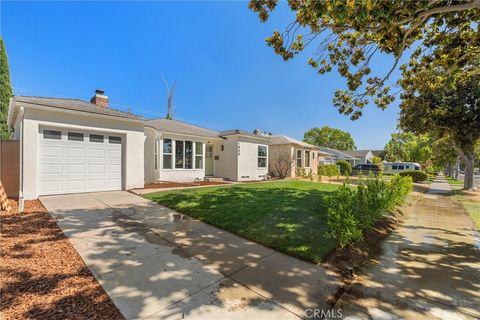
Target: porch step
214	179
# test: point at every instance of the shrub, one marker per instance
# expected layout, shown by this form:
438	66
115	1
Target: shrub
417	175
300	172
378	161
328	170
350	211
345	167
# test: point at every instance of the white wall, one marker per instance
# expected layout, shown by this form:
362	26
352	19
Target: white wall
248	159
227	164
132	130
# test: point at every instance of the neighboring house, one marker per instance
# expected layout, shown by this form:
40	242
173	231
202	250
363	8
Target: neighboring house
287	154
70	145
178	151
338	155
364	155
73	146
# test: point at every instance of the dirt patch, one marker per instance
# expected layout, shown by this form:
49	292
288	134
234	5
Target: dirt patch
164	185
41	274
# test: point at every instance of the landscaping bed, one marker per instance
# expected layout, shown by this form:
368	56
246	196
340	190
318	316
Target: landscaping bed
41	274
166	185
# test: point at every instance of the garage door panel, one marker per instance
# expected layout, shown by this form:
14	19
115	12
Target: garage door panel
96	153
52	168
52	152
68	166
75	152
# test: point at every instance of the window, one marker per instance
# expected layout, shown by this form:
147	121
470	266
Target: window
96	138
222	148
262	156
52	134
75	136
394	167
167	153
199	155
188	155
115	140
156	154
299	158
400	168
307	159
407	167
313	155
179	153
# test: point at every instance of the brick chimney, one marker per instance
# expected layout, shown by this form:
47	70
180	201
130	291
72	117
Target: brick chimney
100	99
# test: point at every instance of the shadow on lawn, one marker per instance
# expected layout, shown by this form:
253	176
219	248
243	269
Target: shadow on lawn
287	219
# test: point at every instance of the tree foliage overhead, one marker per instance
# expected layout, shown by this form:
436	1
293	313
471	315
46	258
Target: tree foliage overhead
5	92
406	146
350	33
330	138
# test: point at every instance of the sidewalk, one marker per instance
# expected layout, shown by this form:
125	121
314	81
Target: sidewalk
430	267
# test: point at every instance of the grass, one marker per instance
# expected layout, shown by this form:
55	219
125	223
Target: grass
471	204
289	216
454	182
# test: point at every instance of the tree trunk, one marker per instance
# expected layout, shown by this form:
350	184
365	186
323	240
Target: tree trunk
469	160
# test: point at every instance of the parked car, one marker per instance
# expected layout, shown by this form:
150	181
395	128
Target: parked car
365	169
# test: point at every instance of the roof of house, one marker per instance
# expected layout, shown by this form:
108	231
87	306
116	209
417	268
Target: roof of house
180	127
358	153
71	104
377	152
339	153
281	139
245	133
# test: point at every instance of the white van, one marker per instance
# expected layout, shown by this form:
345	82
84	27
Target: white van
395	167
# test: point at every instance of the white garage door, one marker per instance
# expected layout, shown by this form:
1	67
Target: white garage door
74	161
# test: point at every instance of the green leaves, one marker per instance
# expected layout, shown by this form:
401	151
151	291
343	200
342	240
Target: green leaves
352	32
329	138
5	92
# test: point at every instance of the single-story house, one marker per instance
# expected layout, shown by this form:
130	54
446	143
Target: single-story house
288	155
178	151
364	155
73	146
336	155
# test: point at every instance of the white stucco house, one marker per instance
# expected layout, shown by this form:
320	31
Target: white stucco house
73	146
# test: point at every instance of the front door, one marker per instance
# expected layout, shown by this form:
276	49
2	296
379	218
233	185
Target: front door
209	160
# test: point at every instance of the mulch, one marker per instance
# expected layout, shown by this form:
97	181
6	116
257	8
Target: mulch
165	185
41	274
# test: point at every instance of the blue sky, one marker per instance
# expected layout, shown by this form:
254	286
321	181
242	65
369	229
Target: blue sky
226	76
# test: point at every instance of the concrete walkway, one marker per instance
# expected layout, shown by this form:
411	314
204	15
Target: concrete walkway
430	267
155	263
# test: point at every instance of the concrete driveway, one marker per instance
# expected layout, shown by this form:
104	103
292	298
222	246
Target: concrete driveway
155	263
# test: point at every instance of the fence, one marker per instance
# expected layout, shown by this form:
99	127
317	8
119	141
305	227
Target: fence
10	166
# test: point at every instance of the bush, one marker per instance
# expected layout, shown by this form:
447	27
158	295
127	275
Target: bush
329	170
417	175
350	211
345	167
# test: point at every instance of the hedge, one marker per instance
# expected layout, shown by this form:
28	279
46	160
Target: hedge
345	167
329	170
417	175
350	211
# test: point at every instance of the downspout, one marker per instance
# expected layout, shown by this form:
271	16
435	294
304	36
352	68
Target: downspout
21	201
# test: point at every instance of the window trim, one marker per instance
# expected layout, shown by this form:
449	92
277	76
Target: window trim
262	157
309	160
174	155
50	131
168	154
195	155
298	158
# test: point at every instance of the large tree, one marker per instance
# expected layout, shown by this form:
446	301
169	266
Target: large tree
406	146
5	92
437	99
351	33
330	138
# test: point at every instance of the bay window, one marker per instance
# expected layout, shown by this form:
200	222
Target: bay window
167	154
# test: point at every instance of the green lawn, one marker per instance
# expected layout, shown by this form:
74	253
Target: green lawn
471	205
454	182
287	215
